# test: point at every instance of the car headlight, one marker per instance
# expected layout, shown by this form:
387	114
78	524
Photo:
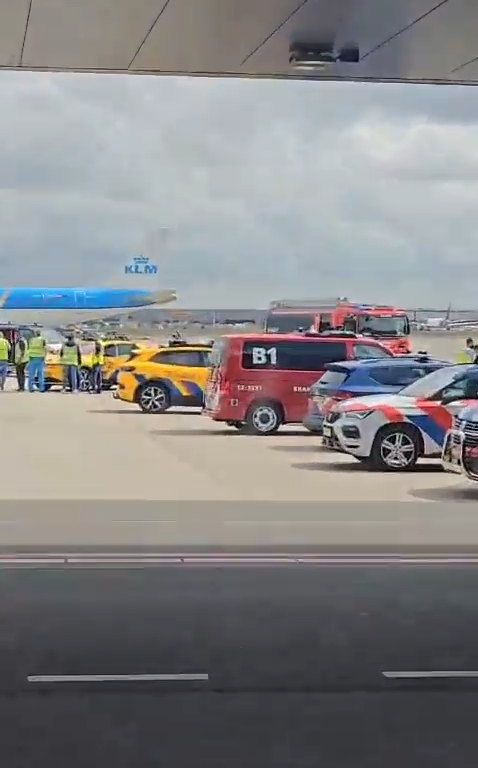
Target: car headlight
358	414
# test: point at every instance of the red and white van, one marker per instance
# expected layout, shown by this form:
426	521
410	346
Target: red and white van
259	382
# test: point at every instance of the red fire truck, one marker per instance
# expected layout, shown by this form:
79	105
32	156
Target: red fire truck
389	325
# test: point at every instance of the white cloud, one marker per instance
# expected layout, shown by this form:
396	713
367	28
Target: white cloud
266	188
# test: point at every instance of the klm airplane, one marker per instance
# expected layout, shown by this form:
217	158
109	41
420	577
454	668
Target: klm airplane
62	306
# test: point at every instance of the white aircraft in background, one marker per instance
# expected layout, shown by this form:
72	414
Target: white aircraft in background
447	324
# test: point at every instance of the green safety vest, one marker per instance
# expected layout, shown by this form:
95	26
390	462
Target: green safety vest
37	347
21	355
4	350
69	355
98	359
465	355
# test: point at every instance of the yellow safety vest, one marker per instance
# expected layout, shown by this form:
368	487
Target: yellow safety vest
98	359
465	355
4	350
21	356
70	355
37	347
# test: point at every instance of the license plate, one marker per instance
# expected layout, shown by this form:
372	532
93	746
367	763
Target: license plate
327	431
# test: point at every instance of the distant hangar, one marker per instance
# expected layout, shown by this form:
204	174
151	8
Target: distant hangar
372	40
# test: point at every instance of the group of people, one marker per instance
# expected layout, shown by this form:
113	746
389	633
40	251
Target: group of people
29	358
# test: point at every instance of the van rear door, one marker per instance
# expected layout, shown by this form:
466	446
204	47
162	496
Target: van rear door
216	375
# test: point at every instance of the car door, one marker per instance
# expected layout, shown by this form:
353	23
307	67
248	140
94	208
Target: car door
439	411
185	371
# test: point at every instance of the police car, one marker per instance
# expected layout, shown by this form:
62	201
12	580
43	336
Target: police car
392	432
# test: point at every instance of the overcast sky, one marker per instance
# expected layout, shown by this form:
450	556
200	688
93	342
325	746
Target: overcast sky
266	189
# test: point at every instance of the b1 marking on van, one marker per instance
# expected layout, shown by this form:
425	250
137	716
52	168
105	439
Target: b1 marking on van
300	389
249	387
263	355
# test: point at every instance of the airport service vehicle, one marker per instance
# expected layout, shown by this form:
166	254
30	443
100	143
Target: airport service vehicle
460	449
387	324
158	379
360	378
391	432
259	382
117	353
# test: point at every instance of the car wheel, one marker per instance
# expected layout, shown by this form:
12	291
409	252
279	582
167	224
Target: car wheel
153	397
263	418
396	448
84	380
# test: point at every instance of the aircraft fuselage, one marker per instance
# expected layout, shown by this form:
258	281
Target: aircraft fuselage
74	299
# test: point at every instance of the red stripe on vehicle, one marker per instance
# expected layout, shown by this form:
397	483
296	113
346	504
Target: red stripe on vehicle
438	413
392	414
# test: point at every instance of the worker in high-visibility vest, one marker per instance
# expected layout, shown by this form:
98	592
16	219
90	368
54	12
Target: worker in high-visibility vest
98	358
467	354
4	358
21	361
70	356
36	361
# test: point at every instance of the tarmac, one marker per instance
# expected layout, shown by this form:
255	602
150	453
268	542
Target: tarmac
86	470
174	592
272	668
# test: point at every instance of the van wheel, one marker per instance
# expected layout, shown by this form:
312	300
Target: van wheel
263	418
396	448
153	397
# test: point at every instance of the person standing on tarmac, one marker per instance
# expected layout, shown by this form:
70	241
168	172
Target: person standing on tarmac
36	362
21	362
70	357
4	358
96	380
467	354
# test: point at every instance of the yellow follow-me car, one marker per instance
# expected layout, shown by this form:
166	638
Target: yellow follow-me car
159	379
117	352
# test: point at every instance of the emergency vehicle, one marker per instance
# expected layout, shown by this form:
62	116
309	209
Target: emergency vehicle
258	382
385	323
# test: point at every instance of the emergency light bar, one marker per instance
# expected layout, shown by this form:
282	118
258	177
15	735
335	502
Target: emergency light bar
308	303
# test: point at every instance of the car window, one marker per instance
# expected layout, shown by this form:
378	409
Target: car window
292	355
124	349
397	376
203	359
366	351
462	389
332	379
110	350
191	358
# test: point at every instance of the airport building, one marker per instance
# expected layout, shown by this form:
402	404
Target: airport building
378	40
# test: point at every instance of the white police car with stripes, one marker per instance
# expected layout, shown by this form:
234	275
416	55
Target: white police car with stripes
391	432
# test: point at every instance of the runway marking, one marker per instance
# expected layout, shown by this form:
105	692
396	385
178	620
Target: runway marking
164	678
226	559
430	674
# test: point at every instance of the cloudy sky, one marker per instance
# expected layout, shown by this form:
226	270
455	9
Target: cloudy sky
242	191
